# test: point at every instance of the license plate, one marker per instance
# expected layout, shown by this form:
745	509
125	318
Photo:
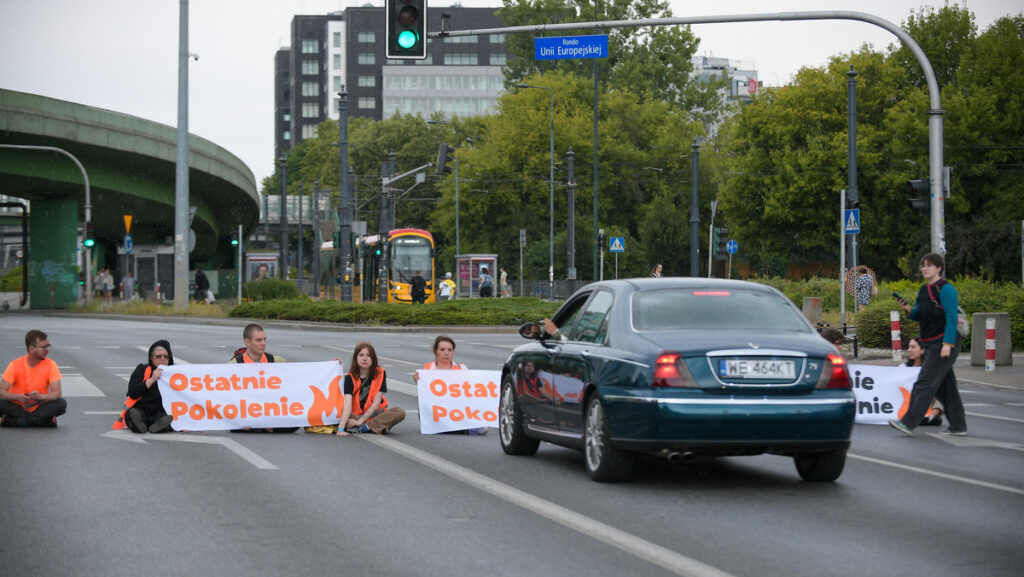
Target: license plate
756	369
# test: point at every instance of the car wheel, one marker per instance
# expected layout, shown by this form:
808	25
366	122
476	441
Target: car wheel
822	467
510	423
604	462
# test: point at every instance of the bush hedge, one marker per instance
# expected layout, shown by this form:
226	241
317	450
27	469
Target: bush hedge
270	289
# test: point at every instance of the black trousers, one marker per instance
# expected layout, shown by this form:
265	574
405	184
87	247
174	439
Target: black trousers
937	381
42	415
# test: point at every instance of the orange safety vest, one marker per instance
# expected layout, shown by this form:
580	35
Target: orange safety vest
432	365
357	383
129	403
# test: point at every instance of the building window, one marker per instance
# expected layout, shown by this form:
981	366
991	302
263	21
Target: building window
310	89
497	38
461	59
368	58
367	81
287	116
337	62
429	60
287	135
310	68
310	110
368	37
498	59
308	131
336	39
395	61
336	84
367	102
310	46
460	39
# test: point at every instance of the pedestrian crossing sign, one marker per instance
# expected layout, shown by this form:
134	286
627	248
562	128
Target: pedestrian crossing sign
851	221
617	244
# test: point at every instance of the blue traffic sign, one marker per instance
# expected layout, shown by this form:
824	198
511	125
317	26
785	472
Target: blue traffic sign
128	244
732	246
851	221
617	244
570	47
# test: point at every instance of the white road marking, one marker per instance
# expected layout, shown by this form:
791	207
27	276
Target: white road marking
1014	404
101	412
986	383
642	549
229	444
492	345
78	386
939	475
996	417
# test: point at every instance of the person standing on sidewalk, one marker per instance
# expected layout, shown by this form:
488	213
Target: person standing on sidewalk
936	311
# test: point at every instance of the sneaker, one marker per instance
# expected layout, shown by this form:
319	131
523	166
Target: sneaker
50	423
953	433
478	431
136	421
5	422
364	429
161	425
899	426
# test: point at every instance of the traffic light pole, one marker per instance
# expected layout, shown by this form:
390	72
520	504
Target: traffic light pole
935	111
345	208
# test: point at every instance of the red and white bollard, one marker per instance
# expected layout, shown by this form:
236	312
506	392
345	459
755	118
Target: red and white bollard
159	294
894	329
120	290
990	344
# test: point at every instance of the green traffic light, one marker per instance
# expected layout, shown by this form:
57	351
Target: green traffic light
234	242
89	243
407	39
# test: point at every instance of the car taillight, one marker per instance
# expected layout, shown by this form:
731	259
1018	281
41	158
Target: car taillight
670	371
835	374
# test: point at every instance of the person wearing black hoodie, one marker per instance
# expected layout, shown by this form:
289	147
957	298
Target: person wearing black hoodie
146	410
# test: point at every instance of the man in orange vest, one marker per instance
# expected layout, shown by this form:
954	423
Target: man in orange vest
30	393
255	351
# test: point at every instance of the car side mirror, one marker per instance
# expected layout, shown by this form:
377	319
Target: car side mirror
531	331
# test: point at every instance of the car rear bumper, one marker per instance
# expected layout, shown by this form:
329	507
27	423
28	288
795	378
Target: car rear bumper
732	424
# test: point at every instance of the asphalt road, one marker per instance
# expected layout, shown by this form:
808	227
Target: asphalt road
80	500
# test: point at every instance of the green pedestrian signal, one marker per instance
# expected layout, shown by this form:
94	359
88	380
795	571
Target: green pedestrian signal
90	235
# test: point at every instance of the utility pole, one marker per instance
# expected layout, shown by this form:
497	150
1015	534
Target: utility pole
345	205
570	159
694	213
852	198
283	265
299	237
181	228
317	242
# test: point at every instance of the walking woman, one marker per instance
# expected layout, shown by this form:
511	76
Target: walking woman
366	410
936	311
915	358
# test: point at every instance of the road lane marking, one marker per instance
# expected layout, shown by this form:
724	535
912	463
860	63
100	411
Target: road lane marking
78	386
644	550
229	444
101	412
996	417
947	476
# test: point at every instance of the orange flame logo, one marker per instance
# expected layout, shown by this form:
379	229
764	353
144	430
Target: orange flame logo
322	406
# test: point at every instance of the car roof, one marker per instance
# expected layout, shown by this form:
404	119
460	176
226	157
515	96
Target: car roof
649	283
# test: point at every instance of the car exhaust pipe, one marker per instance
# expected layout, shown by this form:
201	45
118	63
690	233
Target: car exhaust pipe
675	457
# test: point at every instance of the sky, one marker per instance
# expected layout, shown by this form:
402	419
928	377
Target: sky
122	55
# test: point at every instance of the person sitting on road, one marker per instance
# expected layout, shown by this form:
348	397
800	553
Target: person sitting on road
255	351
30	390
366	410
915	358
444	350
144	406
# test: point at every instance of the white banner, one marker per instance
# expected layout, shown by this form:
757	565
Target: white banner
883	393
457	400
257	395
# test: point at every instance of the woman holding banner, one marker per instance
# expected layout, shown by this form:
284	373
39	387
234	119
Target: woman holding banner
444	351
366	410
915	358
144	409
936	311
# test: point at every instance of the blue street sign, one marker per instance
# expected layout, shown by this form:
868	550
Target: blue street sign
732	246
617	244
128	244
567	47
851	221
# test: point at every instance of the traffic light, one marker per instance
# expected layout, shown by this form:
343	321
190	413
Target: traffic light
719	238
81	278
921	203
90	235
234	239
445	154
406	29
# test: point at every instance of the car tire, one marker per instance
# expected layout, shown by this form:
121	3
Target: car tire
823	467
603	461
510	423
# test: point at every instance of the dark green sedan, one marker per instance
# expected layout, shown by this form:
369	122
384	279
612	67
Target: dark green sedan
679	368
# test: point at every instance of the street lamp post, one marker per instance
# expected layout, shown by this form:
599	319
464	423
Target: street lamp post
551	194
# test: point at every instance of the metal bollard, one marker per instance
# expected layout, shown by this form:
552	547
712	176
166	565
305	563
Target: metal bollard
990	344
894	328
159	295
120	290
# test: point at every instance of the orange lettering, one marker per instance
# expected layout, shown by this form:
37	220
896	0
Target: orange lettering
437	386
178	409
438	413
178	382
274	383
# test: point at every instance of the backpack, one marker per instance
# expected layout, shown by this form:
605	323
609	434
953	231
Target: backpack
963	325
240	356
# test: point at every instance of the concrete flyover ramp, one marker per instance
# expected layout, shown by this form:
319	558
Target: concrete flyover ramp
130	163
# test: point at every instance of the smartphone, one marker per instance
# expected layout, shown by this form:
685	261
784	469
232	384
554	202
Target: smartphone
899	298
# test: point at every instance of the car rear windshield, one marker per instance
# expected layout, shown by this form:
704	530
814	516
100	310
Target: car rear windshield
665	310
